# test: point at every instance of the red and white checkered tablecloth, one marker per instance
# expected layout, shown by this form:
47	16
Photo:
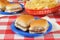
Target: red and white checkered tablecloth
7	34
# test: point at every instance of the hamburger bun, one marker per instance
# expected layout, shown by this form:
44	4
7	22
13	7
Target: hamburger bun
38	26
23	22
2	6
6	2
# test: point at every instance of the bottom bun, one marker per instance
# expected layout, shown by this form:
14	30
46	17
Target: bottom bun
22	28
12	10
0	10
32	32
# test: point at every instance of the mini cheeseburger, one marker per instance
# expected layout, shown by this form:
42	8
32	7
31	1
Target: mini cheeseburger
23	22
13	7
38	26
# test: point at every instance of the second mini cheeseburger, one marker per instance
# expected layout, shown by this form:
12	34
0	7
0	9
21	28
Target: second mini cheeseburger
39	26
14	7
23	22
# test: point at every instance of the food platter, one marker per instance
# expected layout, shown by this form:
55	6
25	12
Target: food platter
27	34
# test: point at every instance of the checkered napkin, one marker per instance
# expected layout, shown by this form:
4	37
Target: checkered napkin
7	34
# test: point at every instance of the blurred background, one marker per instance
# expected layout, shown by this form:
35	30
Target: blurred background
21	1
